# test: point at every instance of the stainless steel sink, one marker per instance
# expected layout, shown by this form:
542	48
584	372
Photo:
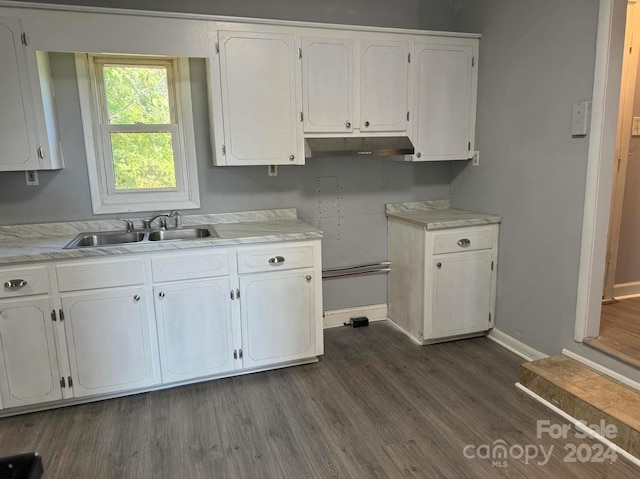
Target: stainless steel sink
106	238
181	234
113	238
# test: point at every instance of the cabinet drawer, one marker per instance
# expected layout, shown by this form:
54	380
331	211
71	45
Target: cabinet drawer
463	239
17	282
190	266
275	258
102	274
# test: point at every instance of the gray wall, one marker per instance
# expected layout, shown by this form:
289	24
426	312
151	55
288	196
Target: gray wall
421	14
536	59
628	265
344	197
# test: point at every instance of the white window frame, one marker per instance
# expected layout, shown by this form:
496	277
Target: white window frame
104	196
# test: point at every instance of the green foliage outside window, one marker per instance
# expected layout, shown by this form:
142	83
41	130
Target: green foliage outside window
138	94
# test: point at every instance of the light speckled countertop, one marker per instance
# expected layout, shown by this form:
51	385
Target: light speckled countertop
45	242
438	215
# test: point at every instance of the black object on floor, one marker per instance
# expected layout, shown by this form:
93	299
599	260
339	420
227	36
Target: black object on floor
358	322
23	466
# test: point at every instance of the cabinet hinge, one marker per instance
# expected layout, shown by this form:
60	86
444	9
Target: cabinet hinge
23	38
217	47
301	116
407	116
473	61
238	293
240	353
469	146
489	317
235	354
70	382
492	266
224	150
40	153
299	52
53	315
62	383
61	315
409	57
232	294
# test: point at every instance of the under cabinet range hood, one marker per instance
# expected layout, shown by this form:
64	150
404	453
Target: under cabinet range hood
360	146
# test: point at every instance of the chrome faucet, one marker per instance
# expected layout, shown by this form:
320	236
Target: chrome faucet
177	218
129	223
146	224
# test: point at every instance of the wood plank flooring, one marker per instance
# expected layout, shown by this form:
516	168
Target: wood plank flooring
376	406
620	331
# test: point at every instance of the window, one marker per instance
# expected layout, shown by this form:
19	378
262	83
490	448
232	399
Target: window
138	128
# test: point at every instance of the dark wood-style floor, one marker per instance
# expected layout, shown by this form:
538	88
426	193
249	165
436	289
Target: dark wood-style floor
376	406
620	331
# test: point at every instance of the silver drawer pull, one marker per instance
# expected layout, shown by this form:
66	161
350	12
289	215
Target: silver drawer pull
15	284
276	260
464	242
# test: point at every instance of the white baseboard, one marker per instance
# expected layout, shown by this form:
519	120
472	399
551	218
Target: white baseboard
626	290
337	317
604	370
580	426
515	346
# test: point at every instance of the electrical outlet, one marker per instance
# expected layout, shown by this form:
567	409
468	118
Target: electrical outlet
32	178
475	160
273	170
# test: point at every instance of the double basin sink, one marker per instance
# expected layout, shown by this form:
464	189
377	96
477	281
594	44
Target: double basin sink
114	238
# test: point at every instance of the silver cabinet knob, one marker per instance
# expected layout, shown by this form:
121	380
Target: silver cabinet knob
136	298
418	155
439	265
308	278
161	294
366	123
15	284
348	124
276	260
464	242
292	157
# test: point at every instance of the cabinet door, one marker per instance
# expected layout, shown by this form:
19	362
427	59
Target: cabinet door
258	83
461	293
445	105
277	311
18	134
383	85
327	84
28	365
108	340
195	331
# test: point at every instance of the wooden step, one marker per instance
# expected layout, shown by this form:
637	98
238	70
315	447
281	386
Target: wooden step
587	395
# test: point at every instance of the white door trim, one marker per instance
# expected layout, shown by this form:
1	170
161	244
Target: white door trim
605	102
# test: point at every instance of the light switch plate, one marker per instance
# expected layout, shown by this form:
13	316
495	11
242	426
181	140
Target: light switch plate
635	126
580	118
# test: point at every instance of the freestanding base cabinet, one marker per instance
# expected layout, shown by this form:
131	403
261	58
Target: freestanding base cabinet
442	283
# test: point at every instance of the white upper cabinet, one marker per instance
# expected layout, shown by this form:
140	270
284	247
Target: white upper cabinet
445	78
23	122
328	84
383	85
259	99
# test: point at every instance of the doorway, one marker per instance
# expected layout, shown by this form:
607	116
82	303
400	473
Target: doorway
604	320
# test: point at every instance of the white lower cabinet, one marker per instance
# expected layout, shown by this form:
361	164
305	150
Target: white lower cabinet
276	308
461	293
195	328
442	283
95	328
28	364
108	340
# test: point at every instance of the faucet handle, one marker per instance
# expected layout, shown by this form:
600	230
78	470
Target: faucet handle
177	218
129	223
